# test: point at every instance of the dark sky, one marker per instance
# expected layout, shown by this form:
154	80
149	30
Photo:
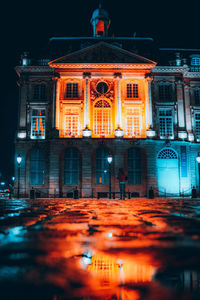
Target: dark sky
28	26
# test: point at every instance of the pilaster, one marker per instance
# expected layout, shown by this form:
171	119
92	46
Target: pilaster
188	121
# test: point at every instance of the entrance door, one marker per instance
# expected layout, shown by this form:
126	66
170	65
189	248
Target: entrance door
168	173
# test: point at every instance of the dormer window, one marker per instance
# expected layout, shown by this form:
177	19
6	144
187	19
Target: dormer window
195	63
38	124
72	90
39	92
132	90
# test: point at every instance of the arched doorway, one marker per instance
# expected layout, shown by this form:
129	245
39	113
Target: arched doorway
168	173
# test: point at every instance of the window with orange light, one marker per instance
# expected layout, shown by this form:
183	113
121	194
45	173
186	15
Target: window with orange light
100	28
102	118
72	90
133	122
38	124
71	123
132	90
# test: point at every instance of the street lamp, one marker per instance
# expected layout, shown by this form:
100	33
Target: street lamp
109	160
19	160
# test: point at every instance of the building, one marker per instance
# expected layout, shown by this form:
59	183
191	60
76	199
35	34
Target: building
93	96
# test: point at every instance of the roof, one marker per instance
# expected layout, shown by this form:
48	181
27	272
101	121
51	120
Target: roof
102	52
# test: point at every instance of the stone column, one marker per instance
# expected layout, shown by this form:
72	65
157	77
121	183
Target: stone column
118	122
182	134
181	113
23	96
86	76
150	132
57	104
55	149
149	79
188	121
86	168
54	102
118	99
86	131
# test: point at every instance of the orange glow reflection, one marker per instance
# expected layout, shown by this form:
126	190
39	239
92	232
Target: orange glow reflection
129	269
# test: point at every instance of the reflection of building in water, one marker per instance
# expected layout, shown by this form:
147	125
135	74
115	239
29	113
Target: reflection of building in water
112	270
104	267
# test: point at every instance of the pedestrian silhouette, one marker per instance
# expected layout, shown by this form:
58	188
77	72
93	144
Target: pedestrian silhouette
122	183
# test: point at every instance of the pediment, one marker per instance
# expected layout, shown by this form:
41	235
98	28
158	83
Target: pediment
102	53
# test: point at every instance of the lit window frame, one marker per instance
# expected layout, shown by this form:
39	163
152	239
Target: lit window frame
71	118
163	120
37	120
71	90
132	90
102	109
135	114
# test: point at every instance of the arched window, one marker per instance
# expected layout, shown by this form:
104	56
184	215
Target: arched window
102	118
37	167
102	168
134	163
71	166
167	154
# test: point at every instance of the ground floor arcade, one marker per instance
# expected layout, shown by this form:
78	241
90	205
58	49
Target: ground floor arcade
57	167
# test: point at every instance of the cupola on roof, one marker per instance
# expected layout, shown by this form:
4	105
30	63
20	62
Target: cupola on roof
100	13
100	21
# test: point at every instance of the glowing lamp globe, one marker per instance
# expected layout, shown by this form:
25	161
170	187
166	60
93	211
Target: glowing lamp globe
87	132
109	159
19	159
198	159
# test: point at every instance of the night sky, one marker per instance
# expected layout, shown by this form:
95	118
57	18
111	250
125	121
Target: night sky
27	26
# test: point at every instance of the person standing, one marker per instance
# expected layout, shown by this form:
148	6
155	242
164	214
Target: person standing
122	183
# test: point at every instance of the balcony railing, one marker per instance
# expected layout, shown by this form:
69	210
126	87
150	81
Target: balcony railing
195	69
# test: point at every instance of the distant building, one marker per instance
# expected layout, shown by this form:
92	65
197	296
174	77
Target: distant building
89	97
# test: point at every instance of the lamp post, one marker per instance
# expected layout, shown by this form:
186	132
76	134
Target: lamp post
19	160
109	160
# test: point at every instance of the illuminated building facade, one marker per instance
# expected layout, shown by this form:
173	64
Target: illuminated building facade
93	96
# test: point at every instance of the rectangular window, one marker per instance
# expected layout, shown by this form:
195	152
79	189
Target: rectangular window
197	96
71	125
38	124
165	92
165	123
39	92
132	90
72	90
133	122
197	125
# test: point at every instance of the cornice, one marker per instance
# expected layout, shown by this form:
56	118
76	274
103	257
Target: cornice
170	69
101	66
34	69
191	74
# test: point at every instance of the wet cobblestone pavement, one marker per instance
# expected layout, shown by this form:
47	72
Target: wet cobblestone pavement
100	249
